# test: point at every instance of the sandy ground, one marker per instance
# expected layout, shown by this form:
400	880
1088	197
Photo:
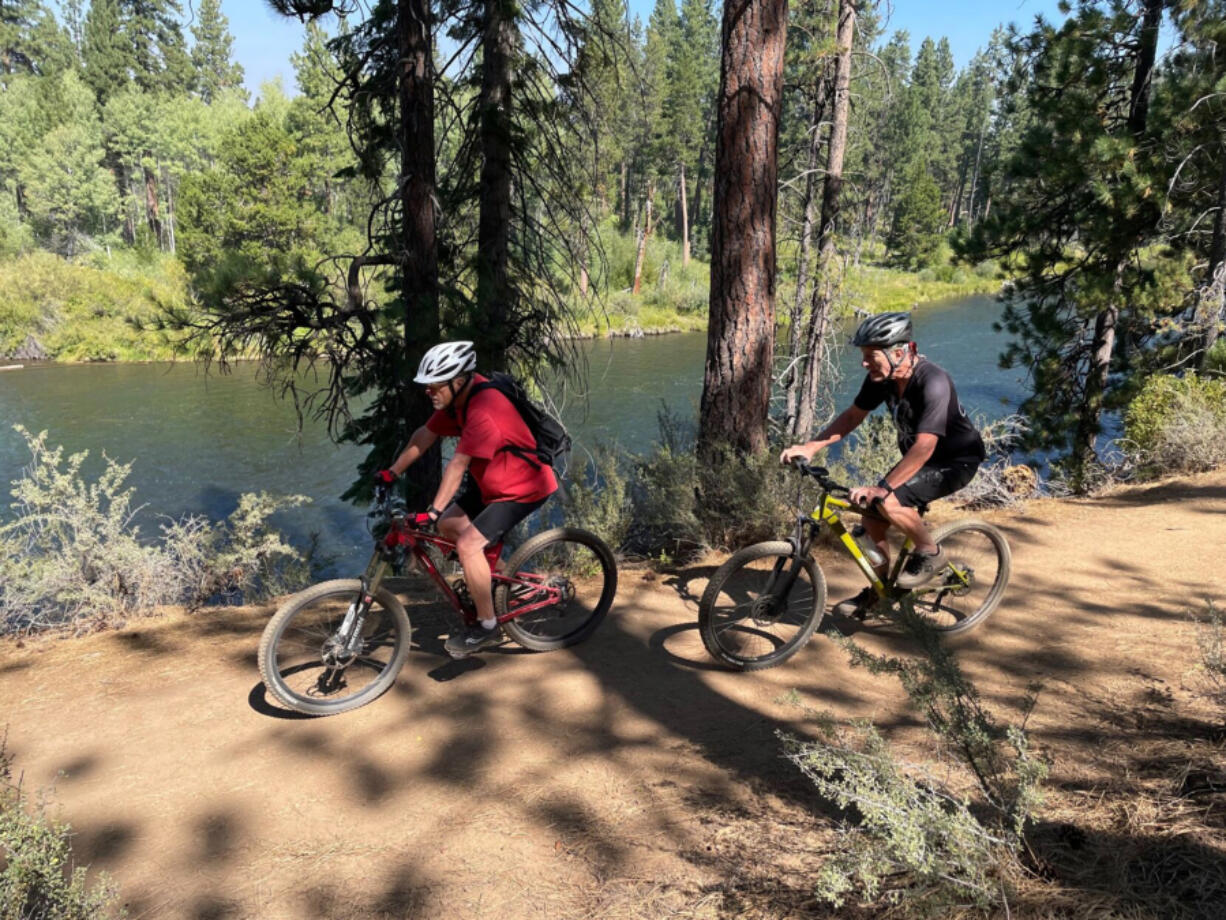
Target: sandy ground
627	777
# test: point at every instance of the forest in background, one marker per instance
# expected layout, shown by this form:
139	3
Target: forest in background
137	172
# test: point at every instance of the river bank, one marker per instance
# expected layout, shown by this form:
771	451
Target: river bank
110	309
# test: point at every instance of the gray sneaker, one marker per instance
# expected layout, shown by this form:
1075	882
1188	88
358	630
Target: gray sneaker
920	568
859	605
473	639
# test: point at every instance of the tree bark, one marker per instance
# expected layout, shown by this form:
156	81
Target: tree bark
826	283
741	331
645	232
1101	348
627	210
498	43
791	379
152	217
1147	52
970	205
171	243
685	221
1215	306
696	209
419	256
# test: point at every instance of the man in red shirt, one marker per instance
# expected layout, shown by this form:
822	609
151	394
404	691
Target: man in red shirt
508	487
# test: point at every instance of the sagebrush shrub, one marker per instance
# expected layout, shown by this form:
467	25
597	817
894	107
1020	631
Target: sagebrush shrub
38	880
1211	638
1177	424
598	499
71	556
917	842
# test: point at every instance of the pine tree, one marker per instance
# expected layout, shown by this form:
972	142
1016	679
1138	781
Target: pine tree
1190	116
160	61
106	55
919	219
68	192
31	41
1081	209
318	127
212	63
741	335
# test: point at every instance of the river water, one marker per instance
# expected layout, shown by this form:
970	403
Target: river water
197	441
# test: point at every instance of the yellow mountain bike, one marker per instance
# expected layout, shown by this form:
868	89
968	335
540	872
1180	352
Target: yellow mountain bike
763	604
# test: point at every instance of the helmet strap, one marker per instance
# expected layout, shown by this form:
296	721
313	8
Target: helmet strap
452	408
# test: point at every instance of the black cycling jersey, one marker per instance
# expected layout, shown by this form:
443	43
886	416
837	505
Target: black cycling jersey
928	404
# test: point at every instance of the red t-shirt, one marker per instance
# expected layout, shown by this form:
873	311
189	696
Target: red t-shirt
489	422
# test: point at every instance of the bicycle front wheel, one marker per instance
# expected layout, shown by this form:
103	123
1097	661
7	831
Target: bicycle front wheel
966	592
761	606
564	583
309	663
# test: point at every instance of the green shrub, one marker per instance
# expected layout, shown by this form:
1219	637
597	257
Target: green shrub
71	557
93	310
1177	424
918	843
38	880
1211	638
1215	361
598	499
663	493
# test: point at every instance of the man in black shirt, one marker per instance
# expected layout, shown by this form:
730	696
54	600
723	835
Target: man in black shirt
941	448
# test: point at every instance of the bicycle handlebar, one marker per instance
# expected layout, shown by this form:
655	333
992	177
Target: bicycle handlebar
822	475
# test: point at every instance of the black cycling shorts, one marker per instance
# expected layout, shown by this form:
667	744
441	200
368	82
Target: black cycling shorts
496	519
933	482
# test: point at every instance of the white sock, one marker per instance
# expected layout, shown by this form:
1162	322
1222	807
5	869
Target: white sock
489	624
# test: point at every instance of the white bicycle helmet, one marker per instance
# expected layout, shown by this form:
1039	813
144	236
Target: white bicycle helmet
446	361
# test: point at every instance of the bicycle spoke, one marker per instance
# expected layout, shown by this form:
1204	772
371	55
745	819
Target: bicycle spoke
745	618
968	589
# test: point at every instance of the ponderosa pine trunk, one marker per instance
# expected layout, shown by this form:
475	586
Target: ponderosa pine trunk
685	220
796	325
741	330
492	320
419	256
826	283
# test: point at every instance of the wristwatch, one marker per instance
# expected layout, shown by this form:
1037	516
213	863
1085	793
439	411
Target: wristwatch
882	484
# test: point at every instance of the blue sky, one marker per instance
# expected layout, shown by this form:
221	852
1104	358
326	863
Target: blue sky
263	40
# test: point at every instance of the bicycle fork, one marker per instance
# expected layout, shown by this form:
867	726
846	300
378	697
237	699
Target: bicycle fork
348	636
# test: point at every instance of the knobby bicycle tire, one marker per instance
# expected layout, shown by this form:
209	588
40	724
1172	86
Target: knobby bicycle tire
294	644
938	601
755	621
579	563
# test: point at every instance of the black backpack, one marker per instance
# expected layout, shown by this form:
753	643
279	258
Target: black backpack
552	441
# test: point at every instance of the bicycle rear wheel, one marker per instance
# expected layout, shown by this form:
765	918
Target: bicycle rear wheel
571	564
971	587
754	613
304	662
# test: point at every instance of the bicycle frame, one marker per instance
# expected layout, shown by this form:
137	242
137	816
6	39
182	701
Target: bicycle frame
401	538
827	512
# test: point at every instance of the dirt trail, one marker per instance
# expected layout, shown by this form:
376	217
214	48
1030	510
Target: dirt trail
624	778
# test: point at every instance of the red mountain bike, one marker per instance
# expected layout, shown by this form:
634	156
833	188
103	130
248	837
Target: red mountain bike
340	644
